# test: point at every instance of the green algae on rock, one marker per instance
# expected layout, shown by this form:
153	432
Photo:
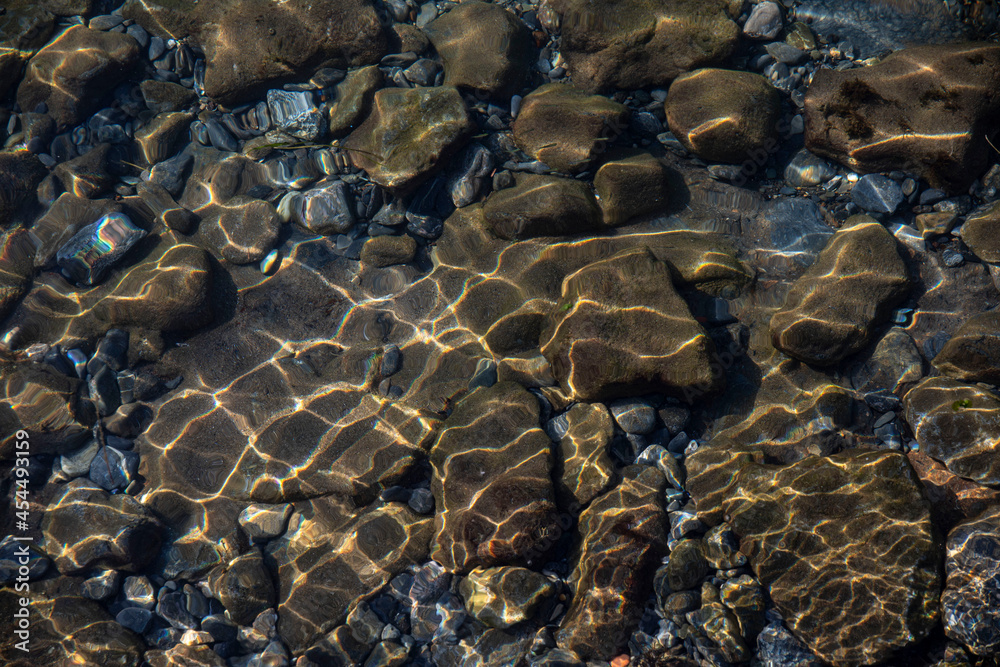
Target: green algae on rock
833	310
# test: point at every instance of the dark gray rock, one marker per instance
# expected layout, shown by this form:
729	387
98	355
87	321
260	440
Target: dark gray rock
113	469
877	194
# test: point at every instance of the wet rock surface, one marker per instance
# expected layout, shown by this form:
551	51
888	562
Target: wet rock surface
968	602
542	206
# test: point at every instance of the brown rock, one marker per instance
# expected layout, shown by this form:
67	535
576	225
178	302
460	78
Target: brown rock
243	586
87	176
834	308
972	354
384	251
586	469
600	346
408	133
631	185
40	402
161	205
542	206
159	137
66	217
643	43
981	232
26	25
74	71
926	110
724	116
20	174
354	98
165	96
11	65
243	229
564	127
17	253
500	597
483	46
182	655
952	498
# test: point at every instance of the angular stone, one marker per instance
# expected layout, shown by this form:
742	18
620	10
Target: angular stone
492	480
981	232
806	170
915	110
631	185
250	45
483	46
74	71
895	364
243	586
587	470
164	96
408	133
642	43
86	528
295	113
764	22
382	251
158	139
791	525
935	224
87	175
621	541
327	209
834	308
969	600
16	267
957	424
953	499
500	597
972	354
263	522
542	206
243	230
687	565
354	98
877	193
601	347
20	174
162	205
723	115
565	127
94	250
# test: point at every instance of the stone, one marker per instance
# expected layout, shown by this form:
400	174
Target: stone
165	96
764	21
408	133
326	209
72	73
85	528
876	193
159	138
778	646
484	48
243	229
957	424
243	586
642	44
354	99
477	165
382	251
251	45
972	354
979	232
621	542
935	224
806	170
295	113
601	348
968	602
495	518
630	185
720	626
687	565
87	175
565	127
263	522
112	469
633	416
162	205
182	655
16	267
913	111
170	174
723	115
542	206
790	523
500	597
94	250
20	174
587	470
103	586
834	308
952	498
39	401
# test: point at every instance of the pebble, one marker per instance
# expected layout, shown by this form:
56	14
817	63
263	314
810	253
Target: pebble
876	193
764	22
123	466
633	416
139	592
94	250
103	586
135	619
219	137
295	113
786	53
78	463
952	258
138	34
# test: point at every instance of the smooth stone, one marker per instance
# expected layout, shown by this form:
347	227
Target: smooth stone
87	175
587	470
723	115
138	591
504	596
102	586
164	96
160	137
565	127
77	464
473	174
104	391
786	53
37	400
972	565
94	250
542	206
243	230
383	251
631	184
243	586
326	209
981	232
171	173
354	99
765	21
633	416
807	170
833	309
877	193
953	499
972	354
162	205
124	466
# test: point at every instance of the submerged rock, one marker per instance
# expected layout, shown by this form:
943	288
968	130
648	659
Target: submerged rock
630	185
89	255
500	597
969	600
243	230
385	251
587	470
295	113
542	206
354	98
972	354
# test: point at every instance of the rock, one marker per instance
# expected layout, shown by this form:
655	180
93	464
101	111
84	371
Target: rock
958	425
158	139
912	111
112	469
790	522
20	174
542	206
500	597
87	175
243	586
687	565
601	348
633	416
764	22
723	115
720	625
16	267
806	170
354	99
408	133
94	250
486	519
631	185
620	545
640	43
979	232
327	209
295	113
877	194
972	354
952	498
465	184
162	205
11	65
74	71
834	308
263	522
164	96
67	215
86	528
39	401
243	230
484	48
250	45
935	224
182	655
565	127
587	470
894	365
382	251
968	602
25	26
778	646
170	173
